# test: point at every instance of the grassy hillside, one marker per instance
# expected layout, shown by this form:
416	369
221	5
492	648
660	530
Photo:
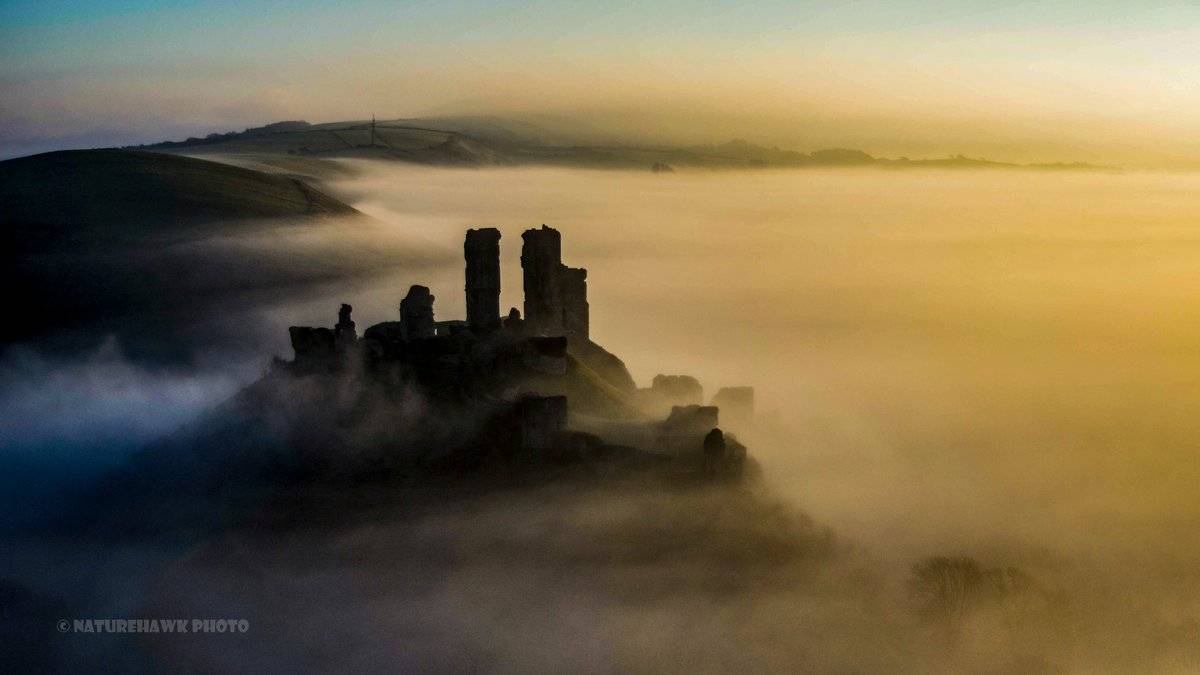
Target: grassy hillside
391	140
485	141
164	251
71	198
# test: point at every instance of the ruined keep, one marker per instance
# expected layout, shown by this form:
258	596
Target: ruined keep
541	258
416	314
482	252
555	295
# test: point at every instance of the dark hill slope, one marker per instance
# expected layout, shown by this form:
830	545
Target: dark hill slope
155	248
73	197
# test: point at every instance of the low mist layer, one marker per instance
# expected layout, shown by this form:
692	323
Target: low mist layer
999	365
992	365
1016	330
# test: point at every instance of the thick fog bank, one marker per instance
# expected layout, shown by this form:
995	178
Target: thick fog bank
1020	340
994	365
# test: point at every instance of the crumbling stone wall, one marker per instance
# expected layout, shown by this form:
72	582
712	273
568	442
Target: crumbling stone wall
416	314
573	289
482	252
678	389
320	348
695	420
685	428
311	344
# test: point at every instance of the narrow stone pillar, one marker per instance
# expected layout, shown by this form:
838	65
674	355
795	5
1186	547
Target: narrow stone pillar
482	252
344	332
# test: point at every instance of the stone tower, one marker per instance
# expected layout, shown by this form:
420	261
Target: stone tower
541	258
482	251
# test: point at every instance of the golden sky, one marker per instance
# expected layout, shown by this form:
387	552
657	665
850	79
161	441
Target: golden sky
1046	81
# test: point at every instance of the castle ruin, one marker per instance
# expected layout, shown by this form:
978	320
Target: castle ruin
523	371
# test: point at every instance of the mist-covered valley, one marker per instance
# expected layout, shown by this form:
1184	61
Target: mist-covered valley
998	365
1019	339
994	364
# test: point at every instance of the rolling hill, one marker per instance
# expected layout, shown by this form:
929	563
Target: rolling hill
71	197
491	141
165	252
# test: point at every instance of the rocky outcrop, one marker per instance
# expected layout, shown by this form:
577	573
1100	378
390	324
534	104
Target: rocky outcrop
416	314
482	251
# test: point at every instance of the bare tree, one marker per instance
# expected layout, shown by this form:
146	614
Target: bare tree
946	589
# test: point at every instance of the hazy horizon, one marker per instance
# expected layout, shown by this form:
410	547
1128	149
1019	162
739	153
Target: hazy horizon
1045	82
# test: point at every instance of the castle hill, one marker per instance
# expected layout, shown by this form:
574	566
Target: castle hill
536	385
